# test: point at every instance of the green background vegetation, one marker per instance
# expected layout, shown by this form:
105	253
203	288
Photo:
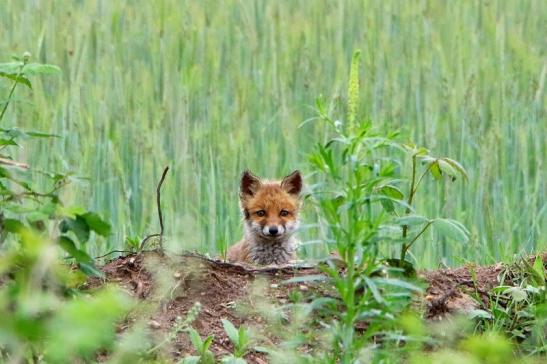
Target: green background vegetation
211	88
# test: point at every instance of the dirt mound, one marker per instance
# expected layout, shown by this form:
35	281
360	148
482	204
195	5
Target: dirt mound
170	286
222	289
453	290
450	290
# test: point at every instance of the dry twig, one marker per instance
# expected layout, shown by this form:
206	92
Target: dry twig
160	216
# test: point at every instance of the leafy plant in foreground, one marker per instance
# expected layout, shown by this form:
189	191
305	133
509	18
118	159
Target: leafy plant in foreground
518	307
241	340
21	204
363	207
45	318
202	347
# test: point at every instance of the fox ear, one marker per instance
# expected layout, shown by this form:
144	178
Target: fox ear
249	184
292	183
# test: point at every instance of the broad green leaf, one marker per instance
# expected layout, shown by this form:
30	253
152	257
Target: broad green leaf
78	226
4	173
427	159
232	360
243	337
48	208
411	220
23	184
68	246
17	78
40	69
196	339
404	265
190	360
12	225
207	358
207	342
231	331
461	226
457	166
500	289
16	133
388	205
518	294
97	224
539	271
392	192
37	215
39	134
531	289
17	208
451	230
84	324
447	169
374	289
7	142
70	211
421	152
435	170
90	269
477	313
11	67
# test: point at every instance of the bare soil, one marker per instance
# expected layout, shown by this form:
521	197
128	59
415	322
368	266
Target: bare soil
221	288
169	286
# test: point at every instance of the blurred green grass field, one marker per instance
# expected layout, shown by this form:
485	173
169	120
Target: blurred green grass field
213	87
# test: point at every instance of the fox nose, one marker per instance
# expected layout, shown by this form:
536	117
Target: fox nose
273	230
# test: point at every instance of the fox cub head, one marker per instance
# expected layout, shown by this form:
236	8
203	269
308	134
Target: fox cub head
271	208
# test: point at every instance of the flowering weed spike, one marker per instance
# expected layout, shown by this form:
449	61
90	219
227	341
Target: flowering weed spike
353	89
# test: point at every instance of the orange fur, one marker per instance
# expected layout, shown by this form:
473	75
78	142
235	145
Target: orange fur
268	206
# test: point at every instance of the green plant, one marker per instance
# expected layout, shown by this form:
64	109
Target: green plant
517	306
202	347
361	202
21	204
241	340
44	315
365	170
436	167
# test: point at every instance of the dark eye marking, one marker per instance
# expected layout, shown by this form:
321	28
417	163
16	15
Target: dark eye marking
284	213
260	213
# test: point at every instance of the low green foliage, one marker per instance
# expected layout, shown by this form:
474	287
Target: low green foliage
45	318
367	202
22	206
518	306
205	356
360	199
385	205
240	338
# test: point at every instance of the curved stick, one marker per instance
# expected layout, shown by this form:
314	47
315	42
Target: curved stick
160	215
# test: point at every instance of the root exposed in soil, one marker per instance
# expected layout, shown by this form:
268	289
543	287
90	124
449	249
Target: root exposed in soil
172	284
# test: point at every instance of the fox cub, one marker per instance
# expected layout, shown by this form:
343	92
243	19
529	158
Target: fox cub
270	212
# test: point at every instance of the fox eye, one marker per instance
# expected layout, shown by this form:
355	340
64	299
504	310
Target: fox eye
260	213
284	213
